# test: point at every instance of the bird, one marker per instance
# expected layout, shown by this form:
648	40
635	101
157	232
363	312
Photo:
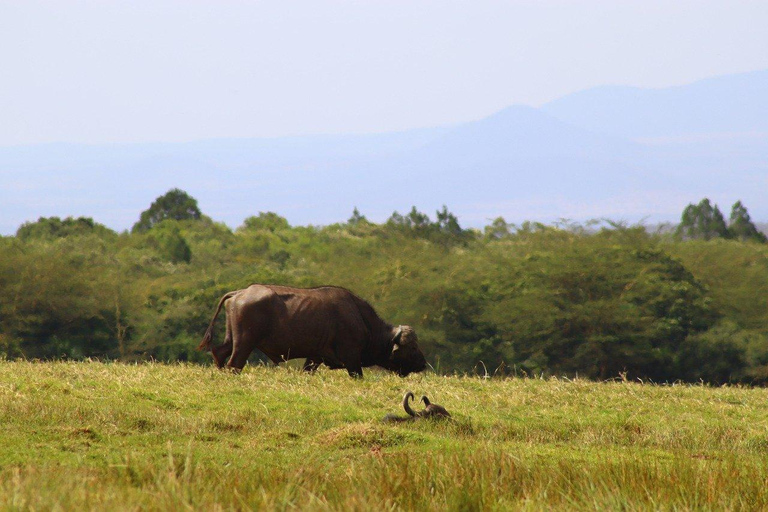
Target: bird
433	410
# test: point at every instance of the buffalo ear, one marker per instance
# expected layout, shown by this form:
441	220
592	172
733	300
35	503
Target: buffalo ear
393	354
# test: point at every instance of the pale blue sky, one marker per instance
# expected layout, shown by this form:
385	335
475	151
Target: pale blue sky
173	71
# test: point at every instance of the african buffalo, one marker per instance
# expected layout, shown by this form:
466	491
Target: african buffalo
327	325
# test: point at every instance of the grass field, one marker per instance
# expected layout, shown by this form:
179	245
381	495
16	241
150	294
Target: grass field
101	436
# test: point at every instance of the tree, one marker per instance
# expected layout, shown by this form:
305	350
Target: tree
445	230
49	228
592	306
55	303
265	221
702	221
498	229
171	244
356	218
415	220
174	204
741	226
448	223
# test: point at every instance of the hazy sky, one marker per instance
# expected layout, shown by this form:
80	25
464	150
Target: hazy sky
172	71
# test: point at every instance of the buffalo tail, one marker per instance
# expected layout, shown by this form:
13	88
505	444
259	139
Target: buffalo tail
205	345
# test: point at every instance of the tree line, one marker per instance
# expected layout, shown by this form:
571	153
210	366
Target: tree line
705	221
563	299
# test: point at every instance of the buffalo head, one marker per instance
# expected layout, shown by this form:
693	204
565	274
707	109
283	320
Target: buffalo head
406	356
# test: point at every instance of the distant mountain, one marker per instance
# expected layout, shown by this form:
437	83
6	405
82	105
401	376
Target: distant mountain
617	152
232	178
725	104
522	132
518	154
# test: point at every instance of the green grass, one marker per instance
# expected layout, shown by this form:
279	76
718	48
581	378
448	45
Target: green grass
100	436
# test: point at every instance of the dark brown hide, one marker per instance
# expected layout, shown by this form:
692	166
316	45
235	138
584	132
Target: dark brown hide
326	325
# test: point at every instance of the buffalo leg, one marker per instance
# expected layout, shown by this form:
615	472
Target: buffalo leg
243	344
310	365
351	361
222	352
237	361
355	372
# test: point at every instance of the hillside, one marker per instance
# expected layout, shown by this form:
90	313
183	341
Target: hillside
736	104
616	152
519	154
93	436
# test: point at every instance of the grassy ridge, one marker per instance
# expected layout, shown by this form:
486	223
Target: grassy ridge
152	436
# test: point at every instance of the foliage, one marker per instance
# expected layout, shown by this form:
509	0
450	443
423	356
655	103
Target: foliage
267	221
555	300
169	242
445	229
59	298
53	227
174	204
702	221
498	228
741	226
357	218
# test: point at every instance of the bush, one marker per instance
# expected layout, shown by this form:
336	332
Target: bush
562	300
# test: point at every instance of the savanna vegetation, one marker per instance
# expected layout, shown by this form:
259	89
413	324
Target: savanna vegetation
114	436
568	300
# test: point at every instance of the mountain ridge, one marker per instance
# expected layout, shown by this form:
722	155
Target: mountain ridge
574	157
728	103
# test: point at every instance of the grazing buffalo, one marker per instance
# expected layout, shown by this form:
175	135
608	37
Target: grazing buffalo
326	325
